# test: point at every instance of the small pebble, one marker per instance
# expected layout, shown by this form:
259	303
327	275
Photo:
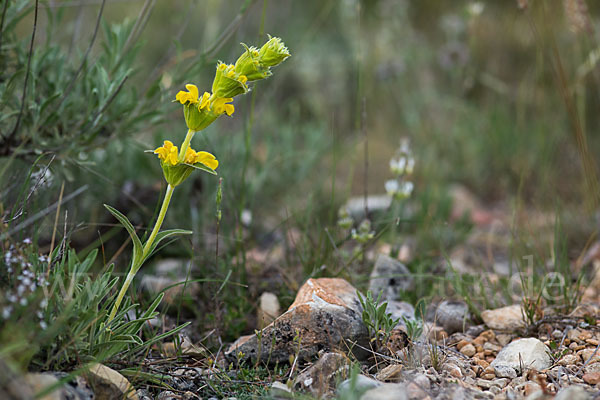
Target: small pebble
557	334
461	344
569	359
503	339
468	350
592	378
503	371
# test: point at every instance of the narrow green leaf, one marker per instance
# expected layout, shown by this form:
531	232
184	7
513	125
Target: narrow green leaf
203	167
137	244
167	234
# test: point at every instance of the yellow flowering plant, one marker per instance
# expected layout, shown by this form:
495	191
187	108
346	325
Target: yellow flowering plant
199	112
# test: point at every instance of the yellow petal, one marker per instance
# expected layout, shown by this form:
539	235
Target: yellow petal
207	159
220	107
204	102
193	89
190	156
162	152
172	155
181	96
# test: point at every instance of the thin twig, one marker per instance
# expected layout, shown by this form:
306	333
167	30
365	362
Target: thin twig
60	197
27	70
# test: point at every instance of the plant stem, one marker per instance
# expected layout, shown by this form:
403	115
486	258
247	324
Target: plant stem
135	267
185	145
161	216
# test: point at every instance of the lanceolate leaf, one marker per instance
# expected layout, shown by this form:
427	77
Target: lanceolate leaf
137	244
203	167
167	234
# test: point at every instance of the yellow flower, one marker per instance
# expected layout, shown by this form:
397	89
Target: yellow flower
221	107
190	156
167	153
207	159
203	157
191	95
204	102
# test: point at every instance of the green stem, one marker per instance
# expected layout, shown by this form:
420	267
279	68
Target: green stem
186	144
135	267
161	217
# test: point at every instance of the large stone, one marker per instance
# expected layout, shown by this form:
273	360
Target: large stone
530	353
400	309
453	316
109	384
325	315
322	375
507	318
390	278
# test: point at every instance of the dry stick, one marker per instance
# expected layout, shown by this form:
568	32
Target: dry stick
83	61
27	70
60	196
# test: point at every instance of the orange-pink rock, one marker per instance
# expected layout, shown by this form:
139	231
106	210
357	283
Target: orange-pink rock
325	315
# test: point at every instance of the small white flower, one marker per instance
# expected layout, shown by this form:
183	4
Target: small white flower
407	188
44	303
475	8
27	241
43	325
392	187
246	217
23	301
6	311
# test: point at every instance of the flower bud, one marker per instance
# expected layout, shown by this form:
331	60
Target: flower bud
273	52
248	64
228	83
